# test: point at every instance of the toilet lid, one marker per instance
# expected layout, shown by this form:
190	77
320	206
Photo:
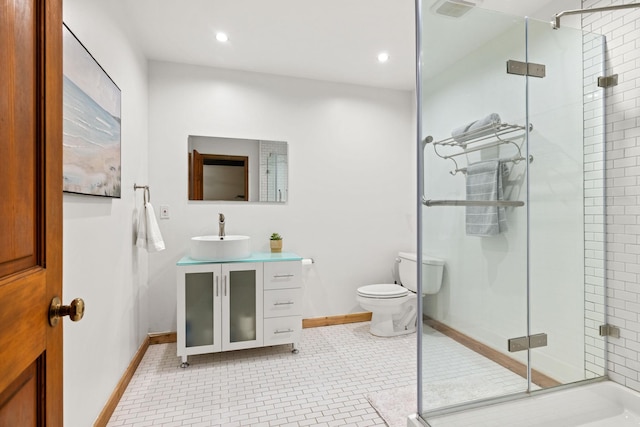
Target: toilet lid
382	291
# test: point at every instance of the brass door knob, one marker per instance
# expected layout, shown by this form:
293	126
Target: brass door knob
75	310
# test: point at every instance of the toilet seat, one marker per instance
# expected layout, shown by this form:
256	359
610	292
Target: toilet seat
382	291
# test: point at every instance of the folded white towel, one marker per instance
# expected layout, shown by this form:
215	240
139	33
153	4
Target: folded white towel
485	126
149	236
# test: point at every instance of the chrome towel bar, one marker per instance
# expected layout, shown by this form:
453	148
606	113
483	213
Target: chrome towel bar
147	192
505	203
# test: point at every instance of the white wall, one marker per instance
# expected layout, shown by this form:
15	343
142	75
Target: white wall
100	263
484	293
351	176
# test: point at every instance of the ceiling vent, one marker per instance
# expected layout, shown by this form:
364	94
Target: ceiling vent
453	8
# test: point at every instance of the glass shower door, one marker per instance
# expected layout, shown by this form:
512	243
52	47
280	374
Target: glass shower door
277	180
475	213
521	305
567	200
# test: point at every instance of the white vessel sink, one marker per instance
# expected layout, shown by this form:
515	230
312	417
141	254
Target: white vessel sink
216	248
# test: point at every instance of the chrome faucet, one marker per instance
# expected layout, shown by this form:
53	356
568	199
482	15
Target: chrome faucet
221	226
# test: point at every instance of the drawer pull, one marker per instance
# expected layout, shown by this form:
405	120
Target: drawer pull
281	276
284	303
287	331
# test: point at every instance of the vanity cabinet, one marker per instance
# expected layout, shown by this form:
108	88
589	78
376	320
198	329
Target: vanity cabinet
247	303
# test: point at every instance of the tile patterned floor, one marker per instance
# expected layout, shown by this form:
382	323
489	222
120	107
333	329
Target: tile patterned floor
326	384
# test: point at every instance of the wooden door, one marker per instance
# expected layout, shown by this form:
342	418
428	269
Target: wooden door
30	211
198	184
230	177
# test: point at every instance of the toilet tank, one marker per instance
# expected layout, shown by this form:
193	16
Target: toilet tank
432	270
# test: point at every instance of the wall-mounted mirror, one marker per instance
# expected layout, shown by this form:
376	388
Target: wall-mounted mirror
233	169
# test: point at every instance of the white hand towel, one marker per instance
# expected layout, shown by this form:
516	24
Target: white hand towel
149	236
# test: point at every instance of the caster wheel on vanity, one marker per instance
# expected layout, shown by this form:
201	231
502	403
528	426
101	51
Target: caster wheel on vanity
184	365
295	351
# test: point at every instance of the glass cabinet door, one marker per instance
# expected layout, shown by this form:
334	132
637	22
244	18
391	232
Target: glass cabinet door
199	309
242	305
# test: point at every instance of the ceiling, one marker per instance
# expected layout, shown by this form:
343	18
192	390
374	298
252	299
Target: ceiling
331	40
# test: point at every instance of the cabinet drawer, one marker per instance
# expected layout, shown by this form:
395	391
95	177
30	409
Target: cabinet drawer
282	330
282	275
283	302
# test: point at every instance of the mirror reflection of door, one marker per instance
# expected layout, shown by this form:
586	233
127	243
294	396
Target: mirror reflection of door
261	177
218	177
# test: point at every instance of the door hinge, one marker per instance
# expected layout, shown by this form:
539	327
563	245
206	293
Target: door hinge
608	81
526	68
527	342
609	331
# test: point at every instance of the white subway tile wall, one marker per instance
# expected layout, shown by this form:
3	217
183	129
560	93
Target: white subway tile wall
622	127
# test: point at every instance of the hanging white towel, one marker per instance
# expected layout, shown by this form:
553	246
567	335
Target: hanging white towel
149	236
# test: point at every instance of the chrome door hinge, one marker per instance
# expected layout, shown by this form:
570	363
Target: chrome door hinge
609	331
608	81
527	342
526	68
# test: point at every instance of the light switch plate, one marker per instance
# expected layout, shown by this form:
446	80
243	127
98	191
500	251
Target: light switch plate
164	212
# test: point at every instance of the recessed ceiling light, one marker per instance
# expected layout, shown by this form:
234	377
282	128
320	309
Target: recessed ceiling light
221	37
383	57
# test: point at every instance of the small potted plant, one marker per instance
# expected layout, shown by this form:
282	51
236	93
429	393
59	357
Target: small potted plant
275	242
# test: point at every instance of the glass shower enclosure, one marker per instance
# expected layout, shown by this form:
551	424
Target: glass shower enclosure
277	180
511	161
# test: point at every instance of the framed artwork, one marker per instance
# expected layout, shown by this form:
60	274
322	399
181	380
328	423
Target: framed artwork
91	129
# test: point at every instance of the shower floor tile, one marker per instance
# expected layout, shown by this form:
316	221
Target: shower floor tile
326	384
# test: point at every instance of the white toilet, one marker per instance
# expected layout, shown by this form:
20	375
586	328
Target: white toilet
394	306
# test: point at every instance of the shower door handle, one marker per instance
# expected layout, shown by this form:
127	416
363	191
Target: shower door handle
424	143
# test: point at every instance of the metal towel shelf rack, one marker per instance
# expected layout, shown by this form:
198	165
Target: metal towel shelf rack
488	132
490	136
487	137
